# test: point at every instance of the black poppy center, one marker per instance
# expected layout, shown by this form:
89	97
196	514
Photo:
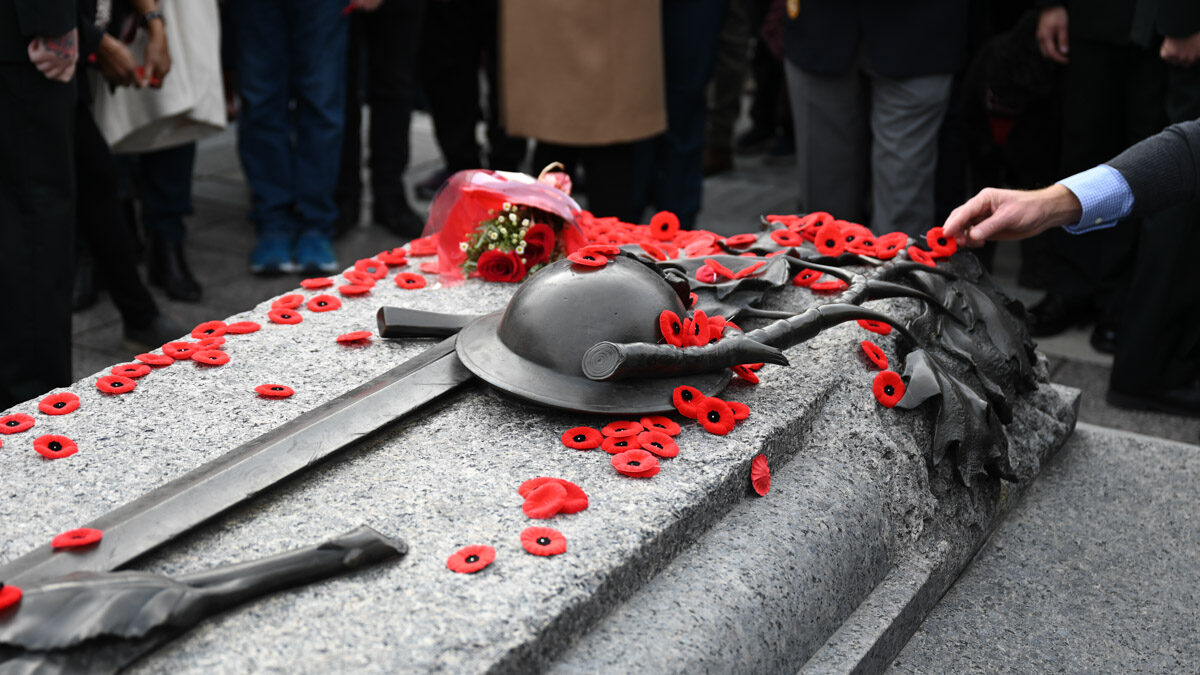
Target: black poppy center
634	463
11	423
322	303
941	241
676	328
209	332
117	385
579	438
60	404
55	446
849	239
621	444
472	559
889	389
276	388
714	416
686	395
285	315
831	242
657	445
543	541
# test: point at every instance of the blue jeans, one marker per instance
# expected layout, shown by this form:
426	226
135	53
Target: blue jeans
291	52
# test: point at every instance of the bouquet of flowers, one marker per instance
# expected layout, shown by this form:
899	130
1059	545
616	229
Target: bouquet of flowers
510	245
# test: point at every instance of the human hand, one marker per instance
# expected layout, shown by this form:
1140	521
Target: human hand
157	57
117	63
1052	34
1001	215
363	5
1181	51
55	57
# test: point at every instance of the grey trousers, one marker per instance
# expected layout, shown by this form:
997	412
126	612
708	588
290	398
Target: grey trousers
861	135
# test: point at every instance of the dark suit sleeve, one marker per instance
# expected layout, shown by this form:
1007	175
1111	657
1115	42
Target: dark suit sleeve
45	18
1163	170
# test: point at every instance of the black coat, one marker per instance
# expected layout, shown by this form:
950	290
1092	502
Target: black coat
901	38
23	20
1154	19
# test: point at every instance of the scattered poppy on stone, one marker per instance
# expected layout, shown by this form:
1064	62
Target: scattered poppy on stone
939	244
545	501
359	278
760	475
876	326
658	443
354	337
715	416
917	255
887	246
664	225
210	343
786	238
636	463
829	239
289	301
396	257
179	350
621	429
740	240
52	446
242	327
686	400
316	282
749	269
576	501
371	266
285	316
740	410
588	259
660	423
582	438
875	354
706	275
829	286
671	327
888	388
115	384
59	404
77	538
211	357
209	329
543	541
15	423
353	289
131	370
806	277
721	270
155	359
9	596
323	303
410	281
471	559
745	373
614	444
274	390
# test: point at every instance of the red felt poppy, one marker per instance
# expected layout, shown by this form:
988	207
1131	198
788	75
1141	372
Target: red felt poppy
745	373
917	255
687	400
715	416
636	463
323	303
180	350
716	327
829	286
664	225
671	327
576	501
359	278
52	446
131	370
471	559
582	438
285	316
721	270
242	327
863	246
316	282
274	390
396	257
210	343
749	269
658	443
874	354
155	359
786	238
791	221
211	357
621	429
410	281
59	404
588	259
740	410
692	300
695	331
372	267
887	246
806	278
15	423
741	240
660	423
760	475
543	541
353	289
209	329
545	501
829	239
115	384
289	301
423	246
706	275
939	244
614	444
354	337
77	538
653	251
9	596
607	250
876	326
888	388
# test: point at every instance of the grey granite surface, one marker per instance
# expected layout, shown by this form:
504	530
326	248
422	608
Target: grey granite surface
448	477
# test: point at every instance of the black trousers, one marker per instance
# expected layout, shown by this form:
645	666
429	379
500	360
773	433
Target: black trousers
609	175
37	199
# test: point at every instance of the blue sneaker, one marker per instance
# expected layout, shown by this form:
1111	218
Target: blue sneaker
314	254
272	255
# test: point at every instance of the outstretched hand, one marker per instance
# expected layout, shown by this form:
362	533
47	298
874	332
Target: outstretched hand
1000	215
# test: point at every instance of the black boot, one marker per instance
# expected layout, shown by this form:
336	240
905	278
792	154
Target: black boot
391	210
169	269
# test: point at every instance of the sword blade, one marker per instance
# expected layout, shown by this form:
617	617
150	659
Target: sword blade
226	481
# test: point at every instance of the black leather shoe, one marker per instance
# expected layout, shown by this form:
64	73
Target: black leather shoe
169	271
1182	400
394	213
1055	314
159	332
1104	337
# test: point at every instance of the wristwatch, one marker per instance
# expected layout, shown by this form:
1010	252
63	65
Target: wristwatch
150	16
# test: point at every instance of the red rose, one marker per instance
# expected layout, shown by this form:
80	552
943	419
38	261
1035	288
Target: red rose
539	243
497	265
